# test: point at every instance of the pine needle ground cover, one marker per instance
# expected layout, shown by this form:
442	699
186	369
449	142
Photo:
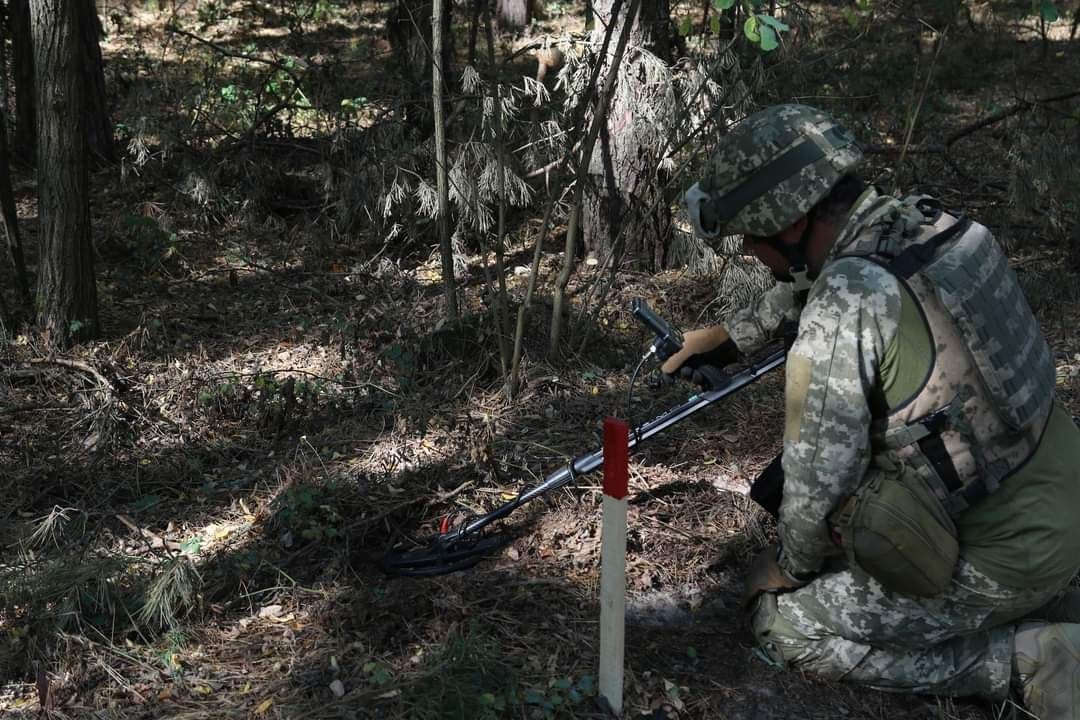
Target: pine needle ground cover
198	501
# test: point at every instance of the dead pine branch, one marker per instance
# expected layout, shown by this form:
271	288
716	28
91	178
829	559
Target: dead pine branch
599	120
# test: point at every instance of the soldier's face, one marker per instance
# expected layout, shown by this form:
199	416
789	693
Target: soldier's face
778	252
767	250
773	251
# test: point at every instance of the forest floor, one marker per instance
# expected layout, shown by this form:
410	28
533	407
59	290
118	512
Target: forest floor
272	408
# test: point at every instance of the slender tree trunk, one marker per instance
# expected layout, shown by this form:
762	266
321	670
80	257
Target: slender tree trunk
99	127
66	293
475	11
7	321
22	70
513	14
9	219
5	87
445	249
410	36
624	188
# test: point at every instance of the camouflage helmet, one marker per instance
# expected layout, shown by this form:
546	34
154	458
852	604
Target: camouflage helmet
770	170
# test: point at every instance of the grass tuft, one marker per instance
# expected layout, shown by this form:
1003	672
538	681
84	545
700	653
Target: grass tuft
171	594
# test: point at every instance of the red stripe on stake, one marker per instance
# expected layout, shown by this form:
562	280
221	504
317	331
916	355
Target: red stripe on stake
616	458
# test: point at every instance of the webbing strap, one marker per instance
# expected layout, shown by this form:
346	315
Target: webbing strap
926	433
917	430
933	447
915	257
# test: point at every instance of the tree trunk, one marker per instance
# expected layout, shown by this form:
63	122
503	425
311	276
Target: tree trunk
410	36
475	12
597	127
99	128
22	70
5	86
9	219
66	293
7	322
624	211
513	14
445	248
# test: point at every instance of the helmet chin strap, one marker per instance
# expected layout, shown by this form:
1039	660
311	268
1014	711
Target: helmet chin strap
798	268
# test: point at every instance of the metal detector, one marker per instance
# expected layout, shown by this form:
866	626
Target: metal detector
464	546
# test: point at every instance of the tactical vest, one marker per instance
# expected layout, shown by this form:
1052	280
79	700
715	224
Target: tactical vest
986	400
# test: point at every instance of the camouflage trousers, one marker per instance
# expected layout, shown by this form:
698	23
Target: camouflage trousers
845	626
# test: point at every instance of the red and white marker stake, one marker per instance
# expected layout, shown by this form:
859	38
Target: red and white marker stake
613	562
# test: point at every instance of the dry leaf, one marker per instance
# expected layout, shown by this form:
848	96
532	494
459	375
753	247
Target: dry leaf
264	706
270	611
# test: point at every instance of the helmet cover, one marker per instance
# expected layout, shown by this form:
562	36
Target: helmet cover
770	169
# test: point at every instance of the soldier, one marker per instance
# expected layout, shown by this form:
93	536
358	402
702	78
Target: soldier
927	530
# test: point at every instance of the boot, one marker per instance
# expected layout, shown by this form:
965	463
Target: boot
1046	662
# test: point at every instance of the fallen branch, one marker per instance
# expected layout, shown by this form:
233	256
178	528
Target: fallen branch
1018	107
941	148
36	366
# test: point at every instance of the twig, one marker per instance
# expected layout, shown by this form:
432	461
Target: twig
1017	107
233	54
939	148
919	103
154	541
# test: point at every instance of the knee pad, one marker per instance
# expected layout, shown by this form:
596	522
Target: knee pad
779	643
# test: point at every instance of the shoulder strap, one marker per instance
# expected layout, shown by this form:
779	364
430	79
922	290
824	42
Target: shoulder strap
915	257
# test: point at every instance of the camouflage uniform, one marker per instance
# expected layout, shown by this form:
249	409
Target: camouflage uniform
863	368
844	624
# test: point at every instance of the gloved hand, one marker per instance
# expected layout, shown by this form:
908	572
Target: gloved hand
705	351
766	576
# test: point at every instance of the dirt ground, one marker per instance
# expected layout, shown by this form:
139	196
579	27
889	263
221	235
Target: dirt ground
272	408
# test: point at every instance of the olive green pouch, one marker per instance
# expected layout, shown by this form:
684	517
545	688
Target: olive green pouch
896	530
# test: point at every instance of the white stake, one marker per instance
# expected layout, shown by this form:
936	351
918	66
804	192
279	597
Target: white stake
613	562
